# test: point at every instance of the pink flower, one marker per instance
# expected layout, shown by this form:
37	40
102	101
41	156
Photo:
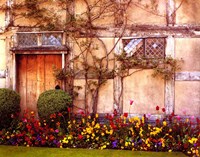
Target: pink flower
178	117
192	117
131	102
149	115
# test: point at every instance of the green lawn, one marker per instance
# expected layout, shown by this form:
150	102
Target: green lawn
14	151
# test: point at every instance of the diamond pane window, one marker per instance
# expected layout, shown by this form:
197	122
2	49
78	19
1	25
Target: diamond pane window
144	47
154	47
27	39
52	39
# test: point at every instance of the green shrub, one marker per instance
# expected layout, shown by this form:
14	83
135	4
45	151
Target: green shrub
53	101
9	105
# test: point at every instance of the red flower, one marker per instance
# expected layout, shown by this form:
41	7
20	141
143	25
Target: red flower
157	108
131	102
163	109
126	114
80	137
68	109
157	121
115	112
59	114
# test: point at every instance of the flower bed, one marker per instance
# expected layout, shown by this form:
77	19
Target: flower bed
115	132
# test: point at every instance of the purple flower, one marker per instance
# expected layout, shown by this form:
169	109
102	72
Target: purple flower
55	141
114	144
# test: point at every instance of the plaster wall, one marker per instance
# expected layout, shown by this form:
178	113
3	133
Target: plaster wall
105	104
187	98
2	55
2	62
52	10
2	15
145	12
79	101
146	91
2	20
187	93
106	16
100	48
188	12
189	50
2	82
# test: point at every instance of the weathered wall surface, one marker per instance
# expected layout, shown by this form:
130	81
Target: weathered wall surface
101	13
2	63
187	93
99	48
23	19
188	12
189	50
147	12
187	98
146	91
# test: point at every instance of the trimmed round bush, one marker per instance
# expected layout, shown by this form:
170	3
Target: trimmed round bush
9	104
53	101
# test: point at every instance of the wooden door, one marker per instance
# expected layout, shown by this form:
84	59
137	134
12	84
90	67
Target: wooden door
35	75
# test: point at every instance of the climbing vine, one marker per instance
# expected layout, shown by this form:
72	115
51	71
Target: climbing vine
81	31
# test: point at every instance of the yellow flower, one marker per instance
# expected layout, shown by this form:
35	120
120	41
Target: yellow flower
89	130
83	120
93	123
148	145
97	126
164	123
97	138
89	117
192	140
96	115
170	150
126	144
189	152
102	134
69	137
142	119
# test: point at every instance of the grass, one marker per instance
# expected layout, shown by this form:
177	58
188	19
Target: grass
14	151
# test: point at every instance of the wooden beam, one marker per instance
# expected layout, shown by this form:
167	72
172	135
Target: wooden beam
169	84
2	73
118	81
188	76
171	12
14	71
